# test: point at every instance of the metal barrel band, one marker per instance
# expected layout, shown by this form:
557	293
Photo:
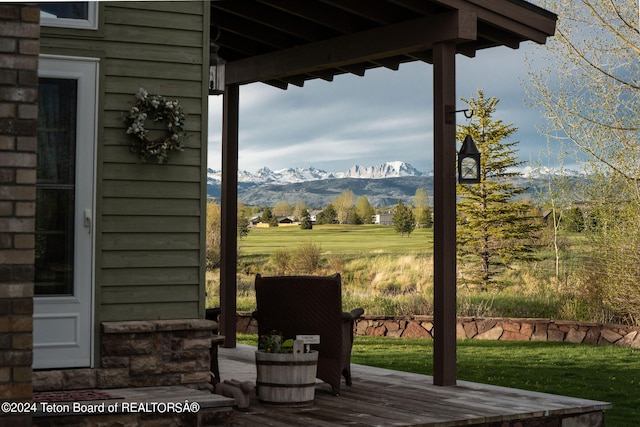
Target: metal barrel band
288	363
263	384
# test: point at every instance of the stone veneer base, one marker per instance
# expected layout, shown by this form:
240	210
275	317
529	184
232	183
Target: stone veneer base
503	329
142	354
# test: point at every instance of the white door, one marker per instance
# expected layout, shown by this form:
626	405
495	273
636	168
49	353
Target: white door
62	319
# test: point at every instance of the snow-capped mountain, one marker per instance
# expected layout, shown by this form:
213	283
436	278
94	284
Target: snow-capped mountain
543	171
298	174
387	170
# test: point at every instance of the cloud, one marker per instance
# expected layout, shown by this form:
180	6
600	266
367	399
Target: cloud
385	115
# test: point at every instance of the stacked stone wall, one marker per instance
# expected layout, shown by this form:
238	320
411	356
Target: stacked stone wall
142	354
19	47
488	329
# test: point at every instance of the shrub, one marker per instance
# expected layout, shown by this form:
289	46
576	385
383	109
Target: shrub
307	258
336	263
281	260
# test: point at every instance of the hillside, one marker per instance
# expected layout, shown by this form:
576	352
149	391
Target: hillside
383	185
379	192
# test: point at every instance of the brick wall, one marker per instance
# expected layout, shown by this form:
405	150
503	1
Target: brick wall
19	47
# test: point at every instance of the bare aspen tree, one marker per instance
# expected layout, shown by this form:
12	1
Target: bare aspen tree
590	93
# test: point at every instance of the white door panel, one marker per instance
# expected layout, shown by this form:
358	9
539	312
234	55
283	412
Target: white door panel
63	320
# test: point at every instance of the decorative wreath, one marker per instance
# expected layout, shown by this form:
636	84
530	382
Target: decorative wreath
158	109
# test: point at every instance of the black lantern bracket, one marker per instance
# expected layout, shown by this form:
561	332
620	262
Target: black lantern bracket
450	116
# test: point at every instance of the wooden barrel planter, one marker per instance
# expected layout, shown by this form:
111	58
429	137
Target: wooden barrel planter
286	379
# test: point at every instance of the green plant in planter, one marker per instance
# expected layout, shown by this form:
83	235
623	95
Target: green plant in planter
273	342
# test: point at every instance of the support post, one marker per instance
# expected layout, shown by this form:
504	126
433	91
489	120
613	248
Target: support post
229	215
444	206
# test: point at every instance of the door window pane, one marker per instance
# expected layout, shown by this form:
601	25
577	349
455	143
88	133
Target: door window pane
55	188
79	14
68	10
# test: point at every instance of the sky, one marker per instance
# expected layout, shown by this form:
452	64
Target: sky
383	116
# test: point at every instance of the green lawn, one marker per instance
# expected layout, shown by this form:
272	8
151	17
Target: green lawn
348	240
604	373
388	274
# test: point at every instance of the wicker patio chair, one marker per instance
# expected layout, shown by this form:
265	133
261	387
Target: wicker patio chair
216	340
310	305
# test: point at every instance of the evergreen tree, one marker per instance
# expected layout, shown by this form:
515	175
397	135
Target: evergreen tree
493	229
403	219
243	226
328	215
305	222
268	217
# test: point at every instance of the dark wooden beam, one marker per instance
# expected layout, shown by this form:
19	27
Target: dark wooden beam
497	37
527	21
229	214
356	69
278	84
382	42
444	214
390	63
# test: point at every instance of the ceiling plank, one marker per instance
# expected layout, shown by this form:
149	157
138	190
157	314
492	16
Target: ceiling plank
419	6
379	43
381	12
234	24
274	18
322	14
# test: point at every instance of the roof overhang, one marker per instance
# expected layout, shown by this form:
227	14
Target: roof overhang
282	42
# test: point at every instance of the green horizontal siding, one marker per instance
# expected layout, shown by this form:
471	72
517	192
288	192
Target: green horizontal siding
150	224
159	207
148	294
167	258
177	72
150	311
156	276
152	189
149	217
150	241
119	171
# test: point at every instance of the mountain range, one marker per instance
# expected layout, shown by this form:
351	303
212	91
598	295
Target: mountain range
383	185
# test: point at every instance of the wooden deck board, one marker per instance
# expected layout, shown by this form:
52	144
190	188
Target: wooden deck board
389	398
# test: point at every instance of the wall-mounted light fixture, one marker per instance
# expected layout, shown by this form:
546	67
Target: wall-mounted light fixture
216	67
468	162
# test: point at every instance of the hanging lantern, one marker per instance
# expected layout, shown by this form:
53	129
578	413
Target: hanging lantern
216	68
468	162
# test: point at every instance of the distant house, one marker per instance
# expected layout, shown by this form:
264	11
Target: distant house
313	215
286	220
255	219
383	218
